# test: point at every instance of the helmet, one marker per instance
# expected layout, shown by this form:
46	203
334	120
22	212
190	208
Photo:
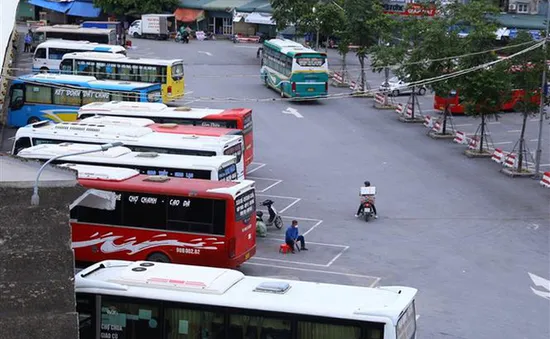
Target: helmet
259	214
367	183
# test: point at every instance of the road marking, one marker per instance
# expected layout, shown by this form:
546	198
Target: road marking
514	131
337	256
311	242
540	282
278	196
187	93
535	227
292	111
289	206
533	140
207	53
289	261
260	165
463	125
494	123
376	279
277	182
240	46
533	120
319	222
502	143
544	165
190	101
417	316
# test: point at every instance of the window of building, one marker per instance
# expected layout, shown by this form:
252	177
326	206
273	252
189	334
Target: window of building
522	8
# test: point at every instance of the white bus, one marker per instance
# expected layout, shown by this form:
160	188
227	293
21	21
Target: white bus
218	168
141	299
48	55
138	139
74	32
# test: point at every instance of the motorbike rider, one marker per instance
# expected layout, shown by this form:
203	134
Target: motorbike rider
370	198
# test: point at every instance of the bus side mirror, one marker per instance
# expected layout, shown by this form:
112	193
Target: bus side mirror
17	103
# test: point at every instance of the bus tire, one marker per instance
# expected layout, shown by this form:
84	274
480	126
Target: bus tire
44	70
422	91
158	257
32	120
395	93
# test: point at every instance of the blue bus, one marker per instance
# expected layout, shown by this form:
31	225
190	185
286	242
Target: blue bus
58	97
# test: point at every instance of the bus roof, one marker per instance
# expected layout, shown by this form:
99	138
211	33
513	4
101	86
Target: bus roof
154	184
85	81
101	172
146	109
81	44
92	133
289	47
163	128
73	29
231	288
120	58
124	156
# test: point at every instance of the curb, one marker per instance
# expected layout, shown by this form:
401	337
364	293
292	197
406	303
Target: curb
411	121
513	173
475	154
435	135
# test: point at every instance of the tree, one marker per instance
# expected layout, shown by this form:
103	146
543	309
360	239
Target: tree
136	7
292	12
366	24
526	75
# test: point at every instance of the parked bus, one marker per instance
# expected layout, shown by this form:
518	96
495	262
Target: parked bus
74	32
455	107
167	72
48	54
158	218
138	139
294	70
57	97
163	128
238	118
189	301
116	25
218	168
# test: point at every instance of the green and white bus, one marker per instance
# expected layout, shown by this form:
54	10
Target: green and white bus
294	70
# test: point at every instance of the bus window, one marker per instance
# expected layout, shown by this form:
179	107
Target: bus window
85	67
57	53
67	97
127	72
40	53
149	74
185	323
66	66
38	94
96	216
130	319
259	327
21	144
143	210
196	215
85	309
17	97
177	72
310	330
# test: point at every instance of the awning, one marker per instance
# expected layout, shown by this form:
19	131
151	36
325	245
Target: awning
259	18
189	15
84	9
54	6
239	17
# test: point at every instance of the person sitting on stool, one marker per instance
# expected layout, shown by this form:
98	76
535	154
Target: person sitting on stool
292	236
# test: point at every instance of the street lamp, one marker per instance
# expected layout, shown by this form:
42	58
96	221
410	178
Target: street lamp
35	199
316	27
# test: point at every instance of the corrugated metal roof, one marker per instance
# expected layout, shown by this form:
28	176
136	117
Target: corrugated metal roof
521	21
248	6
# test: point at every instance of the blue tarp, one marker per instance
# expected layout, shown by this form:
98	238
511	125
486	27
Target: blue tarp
54	6
84	9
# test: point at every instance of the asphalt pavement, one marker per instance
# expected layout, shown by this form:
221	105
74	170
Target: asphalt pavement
467	236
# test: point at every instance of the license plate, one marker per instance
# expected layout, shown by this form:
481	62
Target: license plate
311	89
367	210
247	256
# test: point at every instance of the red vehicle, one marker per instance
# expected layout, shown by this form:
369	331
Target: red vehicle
185	221
237	118
456	108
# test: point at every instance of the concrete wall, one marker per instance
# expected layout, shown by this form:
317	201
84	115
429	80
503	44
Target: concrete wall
36	264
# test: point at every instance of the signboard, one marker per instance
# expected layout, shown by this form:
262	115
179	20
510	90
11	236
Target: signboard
397	7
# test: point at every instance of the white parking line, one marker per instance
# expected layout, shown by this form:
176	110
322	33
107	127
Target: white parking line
289	206
376	279
260	165
533	140
463	125
319	222
278	196
502	143
311	242
494	123
290	261
276	182
337	256
417	316
514	131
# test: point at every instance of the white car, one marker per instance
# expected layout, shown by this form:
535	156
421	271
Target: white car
396	87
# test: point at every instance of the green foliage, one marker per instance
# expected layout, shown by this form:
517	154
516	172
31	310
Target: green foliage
292	12
136	7
366	23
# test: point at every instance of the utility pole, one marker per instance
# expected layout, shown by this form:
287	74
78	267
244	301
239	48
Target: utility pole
542	96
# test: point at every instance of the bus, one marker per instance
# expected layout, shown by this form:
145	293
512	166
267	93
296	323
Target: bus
166	301
164	128
73	32
57	97
218	168
294	70
48	55
167	72
455	107
138	139
237	118
158	218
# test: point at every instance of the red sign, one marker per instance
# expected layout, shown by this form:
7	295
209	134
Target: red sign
409	9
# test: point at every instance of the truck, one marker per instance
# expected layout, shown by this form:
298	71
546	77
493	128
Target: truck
154	26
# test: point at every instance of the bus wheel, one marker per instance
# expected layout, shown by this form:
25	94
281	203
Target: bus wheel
44	70
32	120
158	257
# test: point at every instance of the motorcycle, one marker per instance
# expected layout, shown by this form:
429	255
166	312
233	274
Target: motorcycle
274	217
181	38
367	212
261	228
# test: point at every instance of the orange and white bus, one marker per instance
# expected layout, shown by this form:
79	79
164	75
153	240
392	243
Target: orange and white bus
164	219
237	118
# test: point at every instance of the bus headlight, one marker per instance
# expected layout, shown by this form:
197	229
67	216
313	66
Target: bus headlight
153	96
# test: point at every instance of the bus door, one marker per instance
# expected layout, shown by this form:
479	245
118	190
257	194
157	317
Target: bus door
242	237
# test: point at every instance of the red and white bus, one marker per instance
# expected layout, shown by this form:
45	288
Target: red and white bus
237	118
440	102
165	219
